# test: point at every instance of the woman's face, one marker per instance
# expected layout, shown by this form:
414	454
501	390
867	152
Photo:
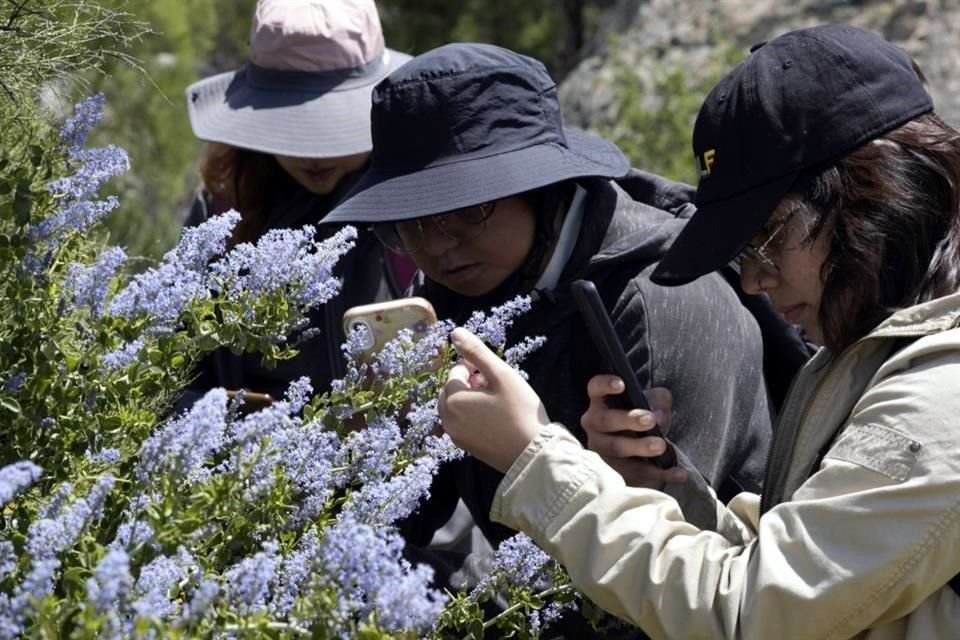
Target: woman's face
474	265
321	175
793	281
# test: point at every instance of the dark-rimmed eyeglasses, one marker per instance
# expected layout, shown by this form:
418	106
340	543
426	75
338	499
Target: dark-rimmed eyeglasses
460	224
771	244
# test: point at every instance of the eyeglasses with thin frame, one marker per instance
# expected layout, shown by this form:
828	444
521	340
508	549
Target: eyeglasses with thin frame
761	254
460	224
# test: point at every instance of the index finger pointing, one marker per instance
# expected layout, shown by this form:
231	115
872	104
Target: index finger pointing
474	351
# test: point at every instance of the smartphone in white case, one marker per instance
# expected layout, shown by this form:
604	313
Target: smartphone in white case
383	321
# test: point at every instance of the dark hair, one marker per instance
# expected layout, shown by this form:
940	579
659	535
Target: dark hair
892	212
240	179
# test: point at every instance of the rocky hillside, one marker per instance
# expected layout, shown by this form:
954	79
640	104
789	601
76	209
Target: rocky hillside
651	34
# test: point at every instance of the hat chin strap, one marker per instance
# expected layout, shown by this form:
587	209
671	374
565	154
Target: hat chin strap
545	237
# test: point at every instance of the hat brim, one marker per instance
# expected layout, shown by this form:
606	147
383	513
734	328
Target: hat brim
718	231
385	196
301	123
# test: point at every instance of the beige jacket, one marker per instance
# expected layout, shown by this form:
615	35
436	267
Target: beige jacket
859	543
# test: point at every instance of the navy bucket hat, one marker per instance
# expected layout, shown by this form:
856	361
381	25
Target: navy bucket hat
465	124
796	105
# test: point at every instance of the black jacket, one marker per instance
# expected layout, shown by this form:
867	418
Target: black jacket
366	279
698	340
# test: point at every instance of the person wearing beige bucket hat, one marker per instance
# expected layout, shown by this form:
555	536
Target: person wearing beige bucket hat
287	134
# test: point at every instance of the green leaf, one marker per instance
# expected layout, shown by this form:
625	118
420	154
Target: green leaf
36	154
475	631
72	360
22	204
76	578
10	404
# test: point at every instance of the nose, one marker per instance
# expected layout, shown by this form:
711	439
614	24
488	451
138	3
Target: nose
755	279
435	242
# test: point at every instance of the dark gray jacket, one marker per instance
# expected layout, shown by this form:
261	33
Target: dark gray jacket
698	340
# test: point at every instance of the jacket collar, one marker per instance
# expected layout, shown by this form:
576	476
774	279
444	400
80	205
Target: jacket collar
921	319
634	218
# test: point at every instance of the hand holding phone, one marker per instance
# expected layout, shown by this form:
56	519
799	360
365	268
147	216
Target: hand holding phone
605	339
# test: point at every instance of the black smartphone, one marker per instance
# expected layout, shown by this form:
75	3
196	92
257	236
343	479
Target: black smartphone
606	341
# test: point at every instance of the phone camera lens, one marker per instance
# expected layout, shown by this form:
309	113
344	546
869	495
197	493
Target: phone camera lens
366	339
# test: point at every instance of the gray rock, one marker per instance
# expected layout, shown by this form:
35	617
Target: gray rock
646	33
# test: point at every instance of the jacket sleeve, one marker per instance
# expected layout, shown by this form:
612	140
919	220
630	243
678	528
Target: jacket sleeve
699	342
865	541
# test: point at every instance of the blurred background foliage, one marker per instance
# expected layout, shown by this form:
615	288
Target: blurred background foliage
655	107
184	40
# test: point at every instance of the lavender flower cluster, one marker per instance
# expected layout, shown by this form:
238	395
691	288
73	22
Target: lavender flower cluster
285	260
356	557
47	537
78	206
163	293
17	477
281	520
492	327
288	262
87	286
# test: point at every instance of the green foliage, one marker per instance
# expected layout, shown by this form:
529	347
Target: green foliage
655	108
149	115
545	29
48	44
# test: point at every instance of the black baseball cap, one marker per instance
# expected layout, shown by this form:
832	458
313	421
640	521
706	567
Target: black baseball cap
797	103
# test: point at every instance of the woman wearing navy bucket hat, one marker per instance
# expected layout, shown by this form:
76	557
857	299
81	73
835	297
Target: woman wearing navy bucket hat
827	175
474	175
288	133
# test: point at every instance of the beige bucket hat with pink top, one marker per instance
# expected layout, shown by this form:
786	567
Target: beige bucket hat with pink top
305	90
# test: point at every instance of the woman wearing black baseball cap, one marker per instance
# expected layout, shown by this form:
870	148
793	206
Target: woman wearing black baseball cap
475	177
826	175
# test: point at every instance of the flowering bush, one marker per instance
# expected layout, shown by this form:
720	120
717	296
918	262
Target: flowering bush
121	519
